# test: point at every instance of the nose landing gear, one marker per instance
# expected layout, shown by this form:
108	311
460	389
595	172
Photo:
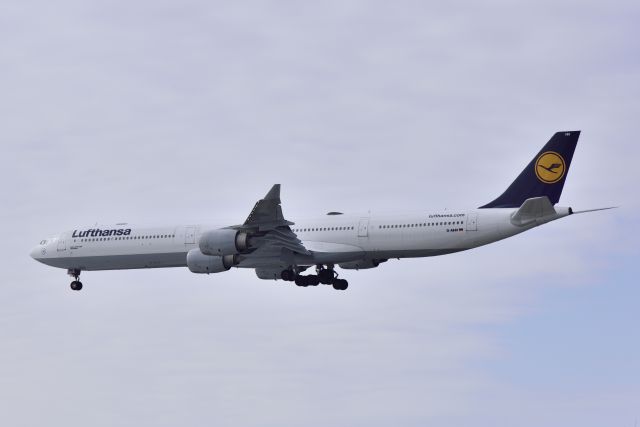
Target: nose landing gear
76	285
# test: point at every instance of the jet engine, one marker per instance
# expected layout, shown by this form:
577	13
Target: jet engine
205	264
224	241
362	264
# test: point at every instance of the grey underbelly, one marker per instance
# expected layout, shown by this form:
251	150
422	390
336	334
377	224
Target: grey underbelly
120	262
412	253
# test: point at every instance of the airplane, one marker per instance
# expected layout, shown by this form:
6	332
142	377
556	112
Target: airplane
278	249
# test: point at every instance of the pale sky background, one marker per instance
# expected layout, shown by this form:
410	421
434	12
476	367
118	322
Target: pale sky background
188	111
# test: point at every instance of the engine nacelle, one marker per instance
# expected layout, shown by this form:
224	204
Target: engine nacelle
224	241
205	264
362	264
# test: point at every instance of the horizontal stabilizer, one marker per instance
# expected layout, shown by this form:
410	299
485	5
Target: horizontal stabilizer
531	210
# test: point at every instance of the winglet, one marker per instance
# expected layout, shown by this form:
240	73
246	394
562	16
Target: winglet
274	193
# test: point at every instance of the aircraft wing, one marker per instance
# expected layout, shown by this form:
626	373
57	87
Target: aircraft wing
272	238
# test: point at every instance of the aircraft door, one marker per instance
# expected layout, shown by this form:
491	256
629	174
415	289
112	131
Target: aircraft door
472	221
189	235
62	244
363	227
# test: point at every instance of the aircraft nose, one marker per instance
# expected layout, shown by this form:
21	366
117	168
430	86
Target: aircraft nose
36	252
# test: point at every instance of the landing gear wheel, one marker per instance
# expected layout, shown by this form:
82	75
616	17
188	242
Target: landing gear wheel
76	285
313	280
302	281
287	275
340	284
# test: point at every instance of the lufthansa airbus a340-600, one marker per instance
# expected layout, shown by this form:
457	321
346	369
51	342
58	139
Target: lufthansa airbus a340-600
284	250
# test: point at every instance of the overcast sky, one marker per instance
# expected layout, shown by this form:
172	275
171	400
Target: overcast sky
188	111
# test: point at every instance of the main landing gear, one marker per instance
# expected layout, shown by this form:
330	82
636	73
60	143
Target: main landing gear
76	285
326	276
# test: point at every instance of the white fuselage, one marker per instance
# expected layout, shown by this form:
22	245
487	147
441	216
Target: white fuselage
331	239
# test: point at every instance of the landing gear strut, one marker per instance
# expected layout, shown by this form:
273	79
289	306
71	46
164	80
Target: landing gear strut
76	285
328	276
